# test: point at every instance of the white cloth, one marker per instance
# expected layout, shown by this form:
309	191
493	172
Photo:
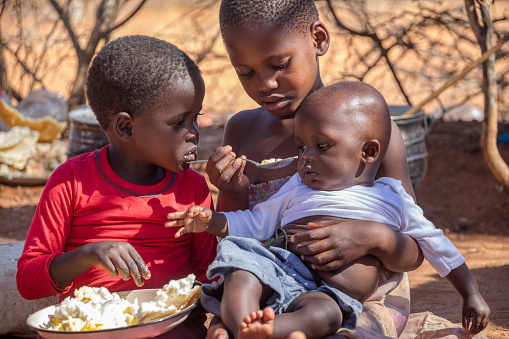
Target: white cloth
385	202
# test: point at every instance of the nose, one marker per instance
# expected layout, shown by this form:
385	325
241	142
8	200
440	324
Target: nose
267	82
193	132
306	156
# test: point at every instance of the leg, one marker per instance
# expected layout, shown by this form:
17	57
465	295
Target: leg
359	279
315	314
242	294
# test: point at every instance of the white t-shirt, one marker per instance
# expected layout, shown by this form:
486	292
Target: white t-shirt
385	202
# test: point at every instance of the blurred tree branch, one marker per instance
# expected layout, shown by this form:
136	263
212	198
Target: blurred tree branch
39	45
106	15
410	49
482	25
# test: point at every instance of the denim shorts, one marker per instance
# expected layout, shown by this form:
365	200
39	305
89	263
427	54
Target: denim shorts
288	278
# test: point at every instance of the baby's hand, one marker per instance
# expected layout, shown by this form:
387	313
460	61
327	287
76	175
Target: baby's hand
476	314
117	257
195	220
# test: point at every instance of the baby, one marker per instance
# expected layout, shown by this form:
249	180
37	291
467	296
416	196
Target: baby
342	132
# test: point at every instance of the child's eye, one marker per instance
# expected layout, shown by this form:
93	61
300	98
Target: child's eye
282	66
246	74
323	146
301	148
179	122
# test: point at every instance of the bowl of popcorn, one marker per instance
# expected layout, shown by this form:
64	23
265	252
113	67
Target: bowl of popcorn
96	313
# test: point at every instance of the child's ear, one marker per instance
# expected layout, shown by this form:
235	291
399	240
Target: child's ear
123	126
321	37
370	151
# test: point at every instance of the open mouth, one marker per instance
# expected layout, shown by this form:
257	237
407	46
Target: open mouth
191	155
308	175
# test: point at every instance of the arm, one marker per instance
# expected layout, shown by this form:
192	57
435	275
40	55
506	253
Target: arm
260	223
336	244
198	219
113	256
46	237
203	245
397	252
225	171
395	163
45	268
475	311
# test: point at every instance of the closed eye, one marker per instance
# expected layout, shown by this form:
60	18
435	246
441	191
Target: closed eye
179	122
282	66
246	74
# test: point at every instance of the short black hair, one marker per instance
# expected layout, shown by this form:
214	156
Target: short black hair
290	14
132	73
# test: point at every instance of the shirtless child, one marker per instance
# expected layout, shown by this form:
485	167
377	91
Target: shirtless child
342	132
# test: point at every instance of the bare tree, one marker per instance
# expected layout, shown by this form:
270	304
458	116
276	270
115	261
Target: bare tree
413	48
106	22
60	36
482	25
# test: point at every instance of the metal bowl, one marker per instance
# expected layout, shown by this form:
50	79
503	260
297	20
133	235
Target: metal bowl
40	321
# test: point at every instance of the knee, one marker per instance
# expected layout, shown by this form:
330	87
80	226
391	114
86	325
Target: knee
320	314
331	312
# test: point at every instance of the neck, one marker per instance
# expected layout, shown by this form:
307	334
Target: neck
132	170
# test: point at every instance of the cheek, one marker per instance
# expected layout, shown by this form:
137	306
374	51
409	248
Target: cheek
250	88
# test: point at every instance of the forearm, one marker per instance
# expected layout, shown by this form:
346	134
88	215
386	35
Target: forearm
462	280
218	225
66	267
397	251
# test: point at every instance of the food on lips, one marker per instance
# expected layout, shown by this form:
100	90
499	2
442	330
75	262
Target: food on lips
94	308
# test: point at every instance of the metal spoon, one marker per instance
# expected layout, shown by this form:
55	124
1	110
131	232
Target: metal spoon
269	165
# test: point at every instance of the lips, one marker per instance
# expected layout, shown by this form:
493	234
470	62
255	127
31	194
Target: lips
273	103
308	174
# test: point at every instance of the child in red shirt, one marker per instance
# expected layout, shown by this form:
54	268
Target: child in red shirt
100	220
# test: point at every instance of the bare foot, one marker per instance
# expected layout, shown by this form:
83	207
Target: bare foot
217	331
257	325
297	335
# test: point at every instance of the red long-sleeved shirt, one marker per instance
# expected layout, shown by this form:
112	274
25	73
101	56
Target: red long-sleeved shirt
85	201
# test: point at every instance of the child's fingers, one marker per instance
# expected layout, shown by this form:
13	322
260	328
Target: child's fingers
238	165
473	324
177	215
175	222
140	263
109	267
180	232
479	323
194	210
484	322
465	322
205	215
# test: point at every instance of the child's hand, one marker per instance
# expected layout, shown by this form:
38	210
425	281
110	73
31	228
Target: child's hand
226	171
476	314
195	220
118	257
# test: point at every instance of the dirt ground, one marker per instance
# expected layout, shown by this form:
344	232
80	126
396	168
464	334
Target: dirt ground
458	194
